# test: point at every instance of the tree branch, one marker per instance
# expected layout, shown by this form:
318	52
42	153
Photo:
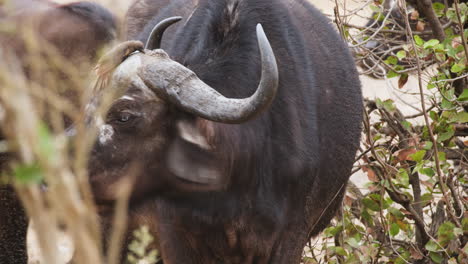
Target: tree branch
425	7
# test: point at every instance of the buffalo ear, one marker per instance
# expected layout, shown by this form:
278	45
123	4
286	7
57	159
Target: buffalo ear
192	159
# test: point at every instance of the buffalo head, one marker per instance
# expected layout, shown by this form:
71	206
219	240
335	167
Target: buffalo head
162	122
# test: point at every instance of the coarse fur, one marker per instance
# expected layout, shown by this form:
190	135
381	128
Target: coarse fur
284	173
77	32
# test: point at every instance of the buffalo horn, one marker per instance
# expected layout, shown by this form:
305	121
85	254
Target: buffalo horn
154	40
182	87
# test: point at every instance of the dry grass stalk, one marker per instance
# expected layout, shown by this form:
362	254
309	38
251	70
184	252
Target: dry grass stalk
29	100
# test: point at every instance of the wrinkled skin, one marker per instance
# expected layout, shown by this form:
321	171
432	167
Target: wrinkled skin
77	31
278	178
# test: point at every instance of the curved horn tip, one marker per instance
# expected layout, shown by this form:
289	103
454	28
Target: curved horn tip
262	38
261	33
260	29
172	19
154	39
268	56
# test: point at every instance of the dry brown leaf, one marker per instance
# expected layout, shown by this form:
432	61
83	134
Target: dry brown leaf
420	26
456	42
348	200
402	80
403	154
427	184
414	141
416	254
405	212
370	174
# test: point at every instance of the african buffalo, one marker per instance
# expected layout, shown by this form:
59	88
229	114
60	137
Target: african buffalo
77	31
241	151
237	160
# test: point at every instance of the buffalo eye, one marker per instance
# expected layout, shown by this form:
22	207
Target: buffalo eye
124	117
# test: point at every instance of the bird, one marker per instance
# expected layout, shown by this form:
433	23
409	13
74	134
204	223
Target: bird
112	59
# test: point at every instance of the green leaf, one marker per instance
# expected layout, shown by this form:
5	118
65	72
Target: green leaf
452	52
407	125
460	117
427	171
456	68
446	104
445	136
452	15
426	199
371	204
401	54
394	229
45	136
442	156
340	251
440	48
28	174
430	43
418	40
353	242
441	57
391	60
403	177
332	230
387	104
465	224
436	257
400	260
432	246
427	145
366	216
431	85
375	8
395	212
464	95
46	142
392	74
439	9
417	167
418	156
446	233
